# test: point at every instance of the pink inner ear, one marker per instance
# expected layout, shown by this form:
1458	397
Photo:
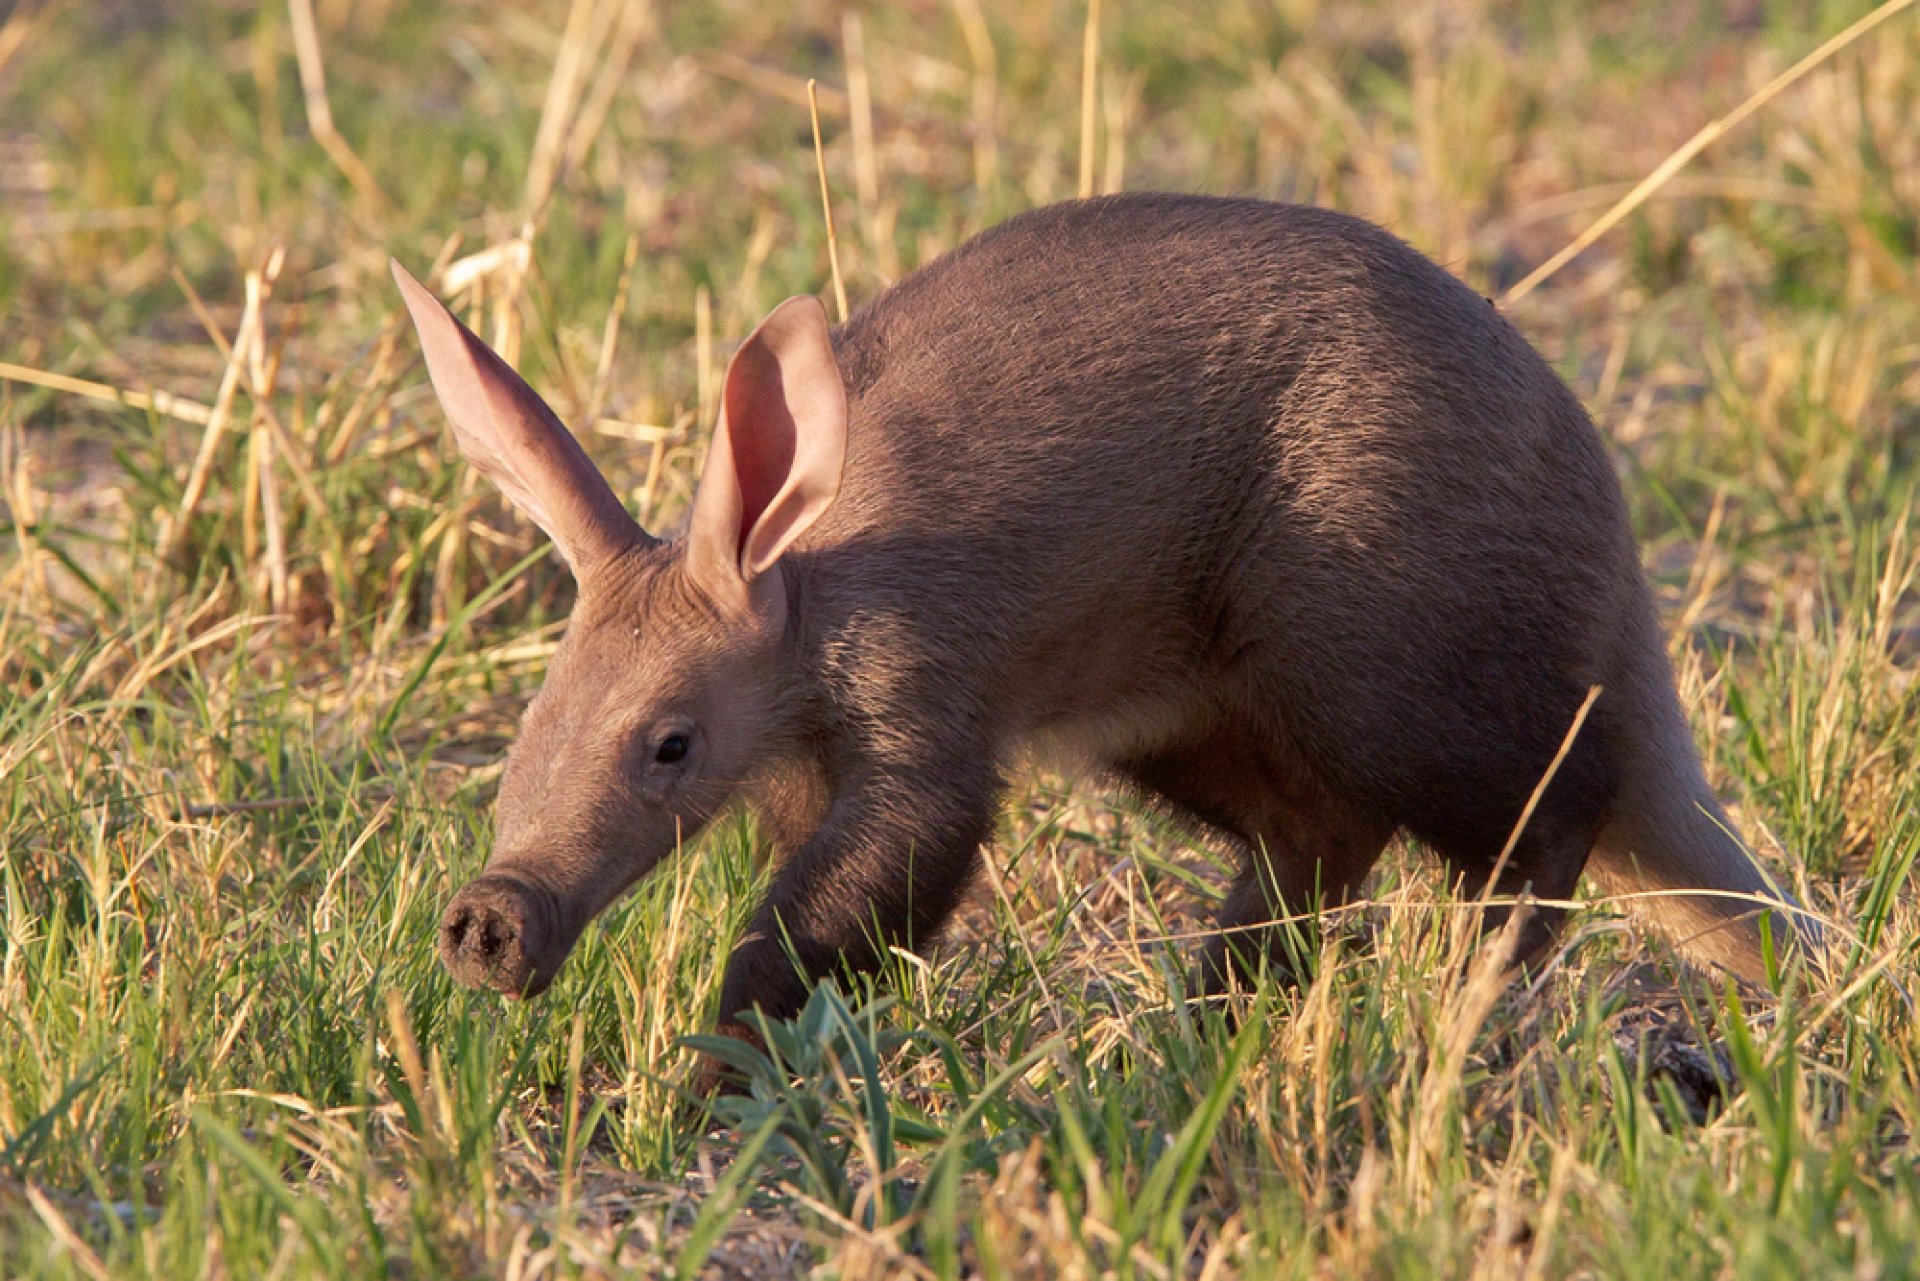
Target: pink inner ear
778	453
763	456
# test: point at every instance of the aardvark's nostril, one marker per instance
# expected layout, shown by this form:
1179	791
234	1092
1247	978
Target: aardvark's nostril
453	934
496	932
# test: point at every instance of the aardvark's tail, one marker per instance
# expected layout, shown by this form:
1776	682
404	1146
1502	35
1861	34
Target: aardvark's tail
1668	833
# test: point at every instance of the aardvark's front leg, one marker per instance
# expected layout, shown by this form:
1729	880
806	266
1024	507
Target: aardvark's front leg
885	870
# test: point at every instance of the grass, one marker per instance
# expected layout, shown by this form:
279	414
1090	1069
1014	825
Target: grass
251	720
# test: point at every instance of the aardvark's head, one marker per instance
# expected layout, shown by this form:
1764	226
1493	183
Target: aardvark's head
671	677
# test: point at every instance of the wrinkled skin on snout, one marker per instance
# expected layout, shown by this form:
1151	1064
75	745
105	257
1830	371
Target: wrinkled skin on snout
667	692
654	706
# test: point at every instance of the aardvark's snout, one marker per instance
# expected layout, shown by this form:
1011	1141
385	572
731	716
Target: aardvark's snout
497	934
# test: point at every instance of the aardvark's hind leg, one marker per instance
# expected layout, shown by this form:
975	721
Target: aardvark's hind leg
1301	848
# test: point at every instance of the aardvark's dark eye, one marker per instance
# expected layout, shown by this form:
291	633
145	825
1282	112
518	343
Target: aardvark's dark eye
672	748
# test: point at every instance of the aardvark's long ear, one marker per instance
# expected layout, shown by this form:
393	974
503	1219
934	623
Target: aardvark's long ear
508	432
777	453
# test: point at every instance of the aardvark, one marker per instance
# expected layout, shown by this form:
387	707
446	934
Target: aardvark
1250	506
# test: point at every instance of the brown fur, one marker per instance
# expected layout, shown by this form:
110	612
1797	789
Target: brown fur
1250	504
